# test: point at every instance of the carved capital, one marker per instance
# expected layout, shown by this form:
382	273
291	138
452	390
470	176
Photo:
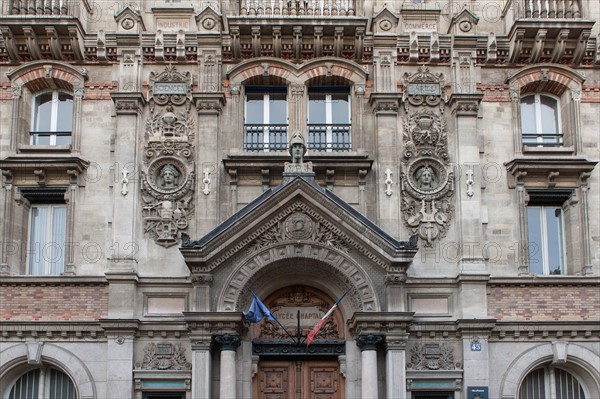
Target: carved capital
368	342
128	103
228	342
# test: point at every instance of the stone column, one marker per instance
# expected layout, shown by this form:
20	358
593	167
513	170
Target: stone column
229	344
201	367
368	347
15	126
6	242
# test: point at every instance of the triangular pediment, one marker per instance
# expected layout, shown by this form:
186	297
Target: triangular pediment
300	212
385	22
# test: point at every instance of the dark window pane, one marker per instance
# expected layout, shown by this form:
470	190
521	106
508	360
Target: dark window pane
555	239
64	121
339	108
277	109
317	109
528	118
549	111
43	113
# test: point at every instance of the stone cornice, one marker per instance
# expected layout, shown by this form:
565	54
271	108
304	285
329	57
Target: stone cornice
392	323
540	171
128	103
385	103
200	323
53	280
544	281
209	102
465	104
52	330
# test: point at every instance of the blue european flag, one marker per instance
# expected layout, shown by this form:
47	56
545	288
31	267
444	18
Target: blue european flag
258	311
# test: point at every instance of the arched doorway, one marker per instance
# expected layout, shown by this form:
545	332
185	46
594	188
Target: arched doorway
286	367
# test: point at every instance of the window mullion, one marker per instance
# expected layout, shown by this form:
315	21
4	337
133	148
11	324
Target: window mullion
267	120
329	121
54	118
42	387
47	244
538	118
551	391
544	223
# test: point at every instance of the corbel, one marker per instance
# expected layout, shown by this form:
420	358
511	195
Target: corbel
54	43
492	49
101	45
233	178
32	42
159	46
318	44
362	179
235	42
10	43
180	45
7	175
256	47
582	42
516	46
297	43
359	40
266	178
265	69
40	177
583	179
413	55
76	43
434	48
338	41
277	41
538	45
560	45
552	175
73	176
520	177
598	49
329	178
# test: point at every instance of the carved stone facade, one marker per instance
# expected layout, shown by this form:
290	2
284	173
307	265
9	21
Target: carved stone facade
168	178
425	169
427	176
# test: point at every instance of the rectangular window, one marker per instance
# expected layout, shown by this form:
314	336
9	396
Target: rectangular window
47	235
545	226
329	119
266	119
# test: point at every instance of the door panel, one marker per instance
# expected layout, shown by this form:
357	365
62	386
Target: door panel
298	380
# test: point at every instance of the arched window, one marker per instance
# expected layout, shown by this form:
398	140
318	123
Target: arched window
43	383
551	383
540	120
52	121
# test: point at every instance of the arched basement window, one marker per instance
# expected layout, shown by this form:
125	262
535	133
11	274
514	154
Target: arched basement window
43	383
551	383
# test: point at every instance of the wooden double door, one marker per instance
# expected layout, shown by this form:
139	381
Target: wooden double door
298	379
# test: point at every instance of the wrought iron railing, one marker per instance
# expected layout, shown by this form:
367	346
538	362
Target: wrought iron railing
549	9
298	7
265	137
43	138
329	137
46	8
542	139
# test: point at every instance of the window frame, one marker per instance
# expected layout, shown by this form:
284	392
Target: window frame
268	128
49	223
539	133
549	376
53	133
329	125
44	381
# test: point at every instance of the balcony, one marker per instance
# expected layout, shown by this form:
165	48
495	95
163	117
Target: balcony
329	137
342	8
44	29
265	137
553	31
542	139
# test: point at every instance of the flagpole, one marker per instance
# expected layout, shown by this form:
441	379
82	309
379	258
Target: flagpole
281	325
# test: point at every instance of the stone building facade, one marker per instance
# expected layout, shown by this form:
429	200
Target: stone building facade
449	187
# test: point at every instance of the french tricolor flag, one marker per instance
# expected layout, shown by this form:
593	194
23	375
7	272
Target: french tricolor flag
321	323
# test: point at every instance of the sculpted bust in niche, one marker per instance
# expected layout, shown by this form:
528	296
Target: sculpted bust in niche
168	178
426	178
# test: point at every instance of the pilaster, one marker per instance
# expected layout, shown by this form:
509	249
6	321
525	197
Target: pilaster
385	107
129	108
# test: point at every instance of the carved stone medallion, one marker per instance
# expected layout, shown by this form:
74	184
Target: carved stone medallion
431	356
298	226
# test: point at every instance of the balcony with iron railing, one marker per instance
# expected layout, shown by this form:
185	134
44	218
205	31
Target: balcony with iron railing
329	137
326	8
267	138
47	8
